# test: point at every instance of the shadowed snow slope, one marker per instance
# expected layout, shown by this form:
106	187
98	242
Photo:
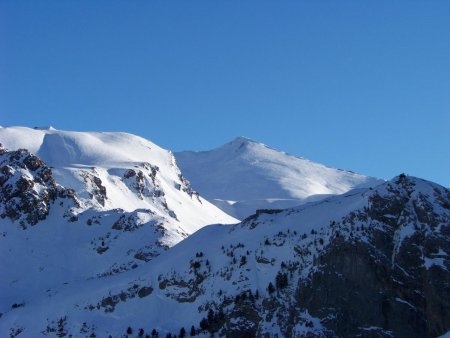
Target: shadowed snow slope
243	175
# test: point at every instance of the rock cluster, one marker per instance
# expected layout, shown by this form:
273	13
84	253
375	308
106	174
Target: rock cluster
27	187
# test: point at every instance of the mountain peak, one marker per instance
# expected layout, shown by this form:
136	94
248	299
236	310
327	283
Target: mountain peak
241	140
244	175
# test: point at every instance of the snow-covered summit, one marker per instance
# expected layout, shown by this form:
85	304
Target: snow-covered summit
244	175
239	142
130	171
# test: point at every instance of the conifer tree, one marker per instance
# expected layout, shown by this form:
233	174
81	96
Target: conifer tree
193	332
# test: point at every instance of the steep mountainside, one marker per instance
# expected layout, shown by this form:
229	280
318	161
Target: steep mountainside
373	262
243	176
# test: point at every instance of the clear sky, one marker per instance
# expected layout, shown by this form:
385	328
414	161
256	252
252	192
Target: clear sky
359	85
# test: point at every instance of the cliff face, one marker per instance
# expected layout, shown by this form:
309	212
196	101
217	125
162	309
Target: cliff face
395	278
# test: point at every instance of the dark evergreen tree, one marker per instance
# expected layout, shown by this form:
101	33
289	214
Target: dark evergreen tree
193	332
244	296
250	296
281	280
182	333
270	288
204	324
211	316
221	315
129	330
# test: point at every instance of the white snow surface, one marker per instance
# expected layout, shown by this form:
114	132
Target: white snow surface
243	175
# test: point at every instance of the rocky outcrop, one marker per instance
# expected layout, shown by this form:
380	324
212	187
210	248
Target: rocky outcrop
143	180
108	304
27	187
94	186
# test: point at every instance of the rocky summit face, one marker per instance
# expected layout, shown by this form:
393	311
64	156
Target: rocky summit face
97	240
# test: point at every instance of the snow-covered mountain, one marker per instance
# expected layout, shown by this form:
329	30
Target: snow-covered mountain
373	262
90	222
243	176
111	171
80	205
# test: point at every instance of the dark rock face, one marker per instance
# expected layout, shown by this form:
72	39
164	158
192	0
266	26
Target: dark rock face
27	187
385	285
139	180
108	304
97	191
130	222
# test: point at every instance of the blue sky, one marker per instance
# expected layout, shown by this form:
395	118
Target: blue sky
360	85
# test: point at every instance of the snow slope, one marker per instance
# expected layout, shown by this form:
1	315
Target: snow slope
243	176
370	244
